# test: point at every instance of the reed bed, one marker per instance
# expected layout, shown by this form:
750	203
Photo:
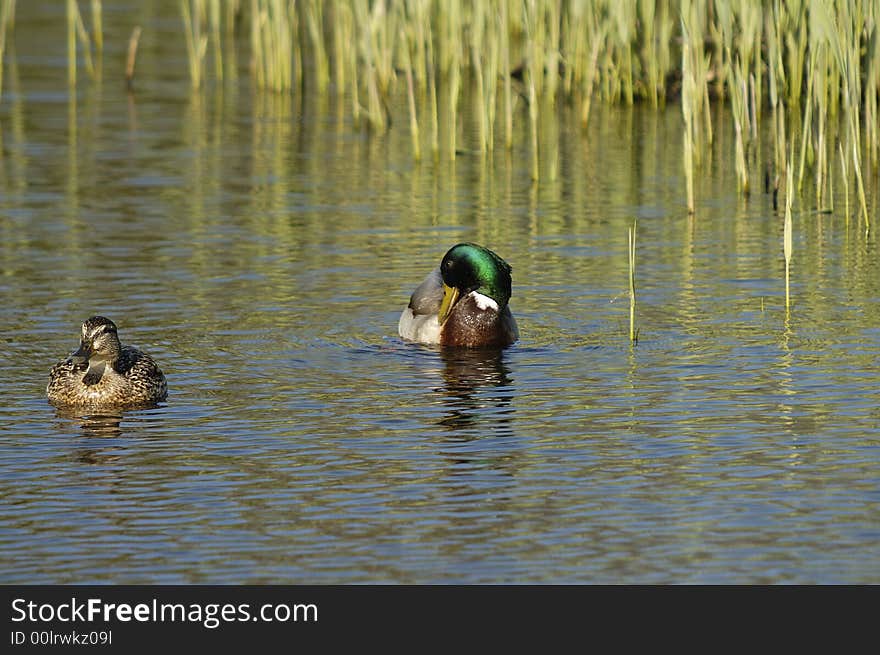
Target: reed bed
814	64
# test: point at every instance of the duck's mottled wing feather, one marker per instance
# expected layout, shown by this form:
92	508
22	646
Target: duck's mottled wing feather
428	295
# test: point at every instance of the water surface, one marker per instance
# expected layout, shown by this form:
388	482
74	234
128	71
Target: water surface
262	248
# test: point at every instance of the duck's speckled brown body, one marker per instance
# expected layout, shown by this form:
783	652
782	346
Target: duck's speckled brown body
103	372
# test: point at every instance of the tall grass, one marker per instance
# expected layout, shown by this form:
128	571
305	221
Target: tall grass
811	62
815	64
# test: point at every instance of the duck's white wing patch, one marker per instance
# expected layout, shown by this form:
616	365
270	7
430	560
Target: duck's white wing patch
423	328
484	302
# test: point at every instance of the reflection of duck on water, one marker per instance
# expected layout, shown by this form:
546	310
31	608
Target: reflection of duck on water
478	422
104	424
477	391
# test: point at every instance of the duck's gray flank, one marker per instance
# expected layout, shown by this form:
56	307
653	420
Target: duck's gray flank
104	372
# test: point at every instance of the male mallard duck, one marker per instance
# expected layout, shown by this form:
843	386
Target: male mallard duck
463	302
104	372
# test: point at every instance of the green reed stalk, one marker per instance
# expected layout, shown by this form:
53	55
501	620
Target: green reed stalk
71	42
370	22
657	36
196	42
504	29
451	55
354	74
806	131
7	11
315	26
647	9
844	174
633	333
739	106
432	94
98	36
600	36
133	41
258	54
214	20
477	45
860	185
690	102
533	122
553	17
491	82
625	23
341	36
786	232
233	7
413	117
86	42
533	75
288	53
871	91
793	15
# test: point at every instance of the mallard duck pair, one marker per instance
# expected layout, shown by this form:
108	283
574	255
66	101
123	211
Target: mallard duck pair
463	302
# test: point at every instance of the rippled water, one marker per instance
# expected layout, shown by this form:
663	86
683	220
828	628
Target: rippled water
261	250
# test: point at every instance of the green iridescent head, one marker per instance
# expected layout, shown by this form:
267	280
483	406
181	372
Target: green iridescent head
468	267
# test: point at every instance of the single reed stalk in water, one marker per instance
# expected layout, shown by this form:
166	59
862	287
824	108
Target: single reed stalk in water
132	55
340	23
257	53
196	42
98	37
411	95
805	130
476	47
844	174
533	121
687	107
7	9
432	96
739	105
314	24
214	19
505	62
71	43
86	42
860	187
786	231
633	334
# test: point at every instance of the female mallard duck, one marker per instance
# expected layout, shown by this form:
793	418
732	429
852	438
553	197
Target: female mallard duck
104	372
463	302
